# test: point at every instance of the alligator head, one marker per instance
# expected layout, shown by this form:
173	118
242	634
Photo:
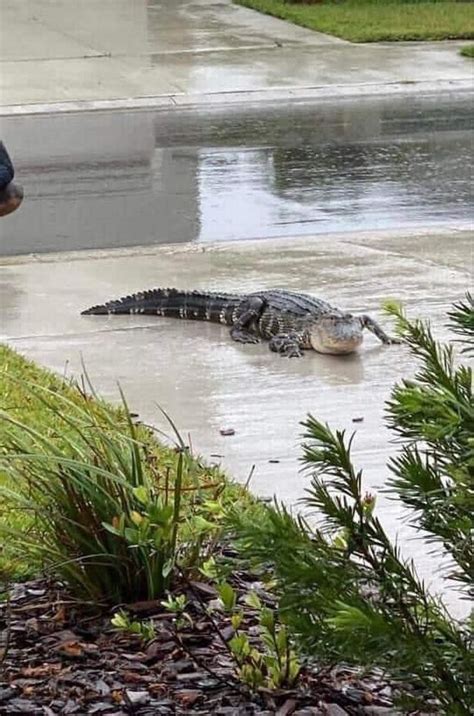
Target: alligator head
336	333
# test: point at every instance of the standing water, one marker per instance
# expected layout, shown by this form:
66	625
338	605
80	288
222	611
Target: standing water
116	179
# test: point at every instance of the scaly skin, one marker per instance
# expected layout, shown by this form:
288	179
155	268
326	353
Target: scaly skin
291	322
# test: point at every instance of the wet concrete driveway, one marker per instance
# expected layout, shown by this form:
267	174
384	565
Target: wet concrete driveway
178	49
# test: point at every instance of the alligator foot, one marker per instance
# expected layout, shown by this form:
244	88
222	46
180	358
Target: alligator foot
373	327
241	336
249	309
286	344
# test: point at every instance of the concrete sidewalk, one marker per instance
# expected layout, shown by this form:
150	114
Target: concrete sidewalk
103	53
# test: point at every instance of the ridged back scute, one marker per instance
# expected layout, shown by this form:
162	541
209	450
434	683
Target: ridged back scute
292	303
173	303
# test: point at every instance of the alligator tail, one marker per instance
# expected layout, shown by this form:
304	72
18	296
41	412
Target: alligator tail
171	302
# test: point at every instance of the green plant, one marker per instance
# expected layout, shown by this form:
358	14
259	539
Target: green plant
177	606
209	569
275	665
107	514
462	321
376	20
145	630
467	51
347	593
433	414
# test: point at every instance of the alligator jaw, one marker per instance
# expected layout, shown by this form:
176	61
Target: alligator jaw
341	349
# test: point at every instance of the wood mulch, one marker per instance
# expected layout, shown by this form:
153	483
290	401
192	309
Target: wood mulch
60	657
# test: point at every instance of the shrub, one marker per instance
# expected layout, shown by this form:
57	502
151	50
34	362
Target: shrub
346	591
462	322
109	514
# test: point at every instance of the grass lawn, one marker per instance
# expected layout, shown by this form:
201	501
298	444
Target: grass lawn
376	20
467	51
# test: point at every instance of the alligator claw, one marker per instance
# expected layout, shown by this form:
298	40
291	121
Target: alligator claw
286	346
292	352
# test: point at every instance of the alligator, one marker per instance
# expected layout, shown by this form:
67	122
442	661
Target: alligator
291	322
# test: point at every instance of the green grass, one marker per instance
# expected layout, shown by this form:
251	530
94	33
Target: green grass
467	51
44	409
376	20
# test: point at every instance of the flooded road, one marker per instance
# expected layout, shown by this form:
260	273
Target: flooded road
103	179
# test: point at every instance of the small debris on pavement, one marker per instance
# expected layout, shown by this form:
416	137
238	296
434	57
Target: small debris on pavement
227	431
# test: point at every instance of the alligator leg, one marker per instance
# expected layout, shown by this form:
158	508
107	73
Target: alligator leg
373	327
286	344
251	310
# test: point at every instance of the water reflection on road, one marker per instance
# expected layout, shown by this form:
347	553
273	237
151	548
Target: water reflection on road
276	191
107	179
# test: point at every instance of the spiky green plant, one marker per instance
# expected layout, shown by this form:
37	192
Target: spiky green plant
433	414
461	321
347	592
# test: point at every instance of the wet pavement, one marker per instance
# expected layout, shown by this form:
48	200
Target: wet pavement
187	50
206	381
117	179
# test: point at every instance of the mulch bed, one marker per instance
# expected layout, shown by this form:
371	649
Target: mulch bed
59	657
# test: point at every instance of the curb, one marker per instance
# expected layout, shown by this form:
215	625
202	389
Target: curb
173	102
296	243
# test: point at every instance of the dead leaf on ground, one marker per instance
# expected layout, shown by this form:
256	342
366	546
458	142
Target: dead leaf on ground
38	672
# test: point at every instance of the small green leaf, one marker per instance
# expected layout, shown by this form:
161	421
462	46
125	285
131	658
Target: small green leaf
167	568
161	514
240	645
113	530
200	524
209	568
227	596
120	620
132	536
267	619
253	600
282	640
214	507
141	493
236	620
136	517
